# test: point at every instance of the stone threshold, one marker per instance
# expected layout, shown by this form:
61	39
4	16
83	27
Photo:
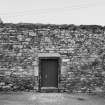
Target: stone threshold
49	89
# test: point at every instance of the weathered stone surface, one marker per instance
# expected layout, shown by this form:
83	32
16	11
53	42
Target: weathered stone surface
81	48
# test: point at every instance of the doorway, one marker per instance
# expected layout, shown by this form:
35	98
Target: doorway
48	72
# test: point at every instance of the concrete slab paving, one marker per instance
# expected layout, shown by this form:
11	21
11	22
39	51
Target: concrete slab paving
50	99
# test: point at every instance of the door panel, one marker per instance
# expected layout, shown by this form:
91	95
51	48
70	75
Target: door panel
49	73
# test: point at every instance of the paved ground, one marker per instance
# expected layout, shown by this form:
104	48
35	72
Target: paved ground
49	99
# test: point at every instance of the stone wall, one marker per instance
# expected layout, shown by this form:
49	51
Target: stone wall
82	50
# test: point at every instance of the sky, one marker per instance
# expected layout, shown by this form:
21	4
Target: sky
86	12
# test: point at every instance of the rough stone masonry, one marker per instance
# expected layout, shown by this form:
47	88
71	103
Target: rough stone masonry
82	51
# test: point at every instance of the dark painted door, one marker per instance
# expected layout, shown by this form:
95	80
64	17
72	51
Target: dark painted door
49	73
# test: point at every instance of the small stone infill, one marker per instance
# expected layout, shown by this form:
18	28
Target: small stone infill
81	48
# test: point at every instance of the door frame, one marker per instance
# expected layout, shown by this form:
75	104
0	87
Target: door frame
59	70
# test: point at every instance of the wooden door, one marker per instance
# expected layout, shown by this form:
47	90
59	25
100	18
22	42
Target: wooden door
49	72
